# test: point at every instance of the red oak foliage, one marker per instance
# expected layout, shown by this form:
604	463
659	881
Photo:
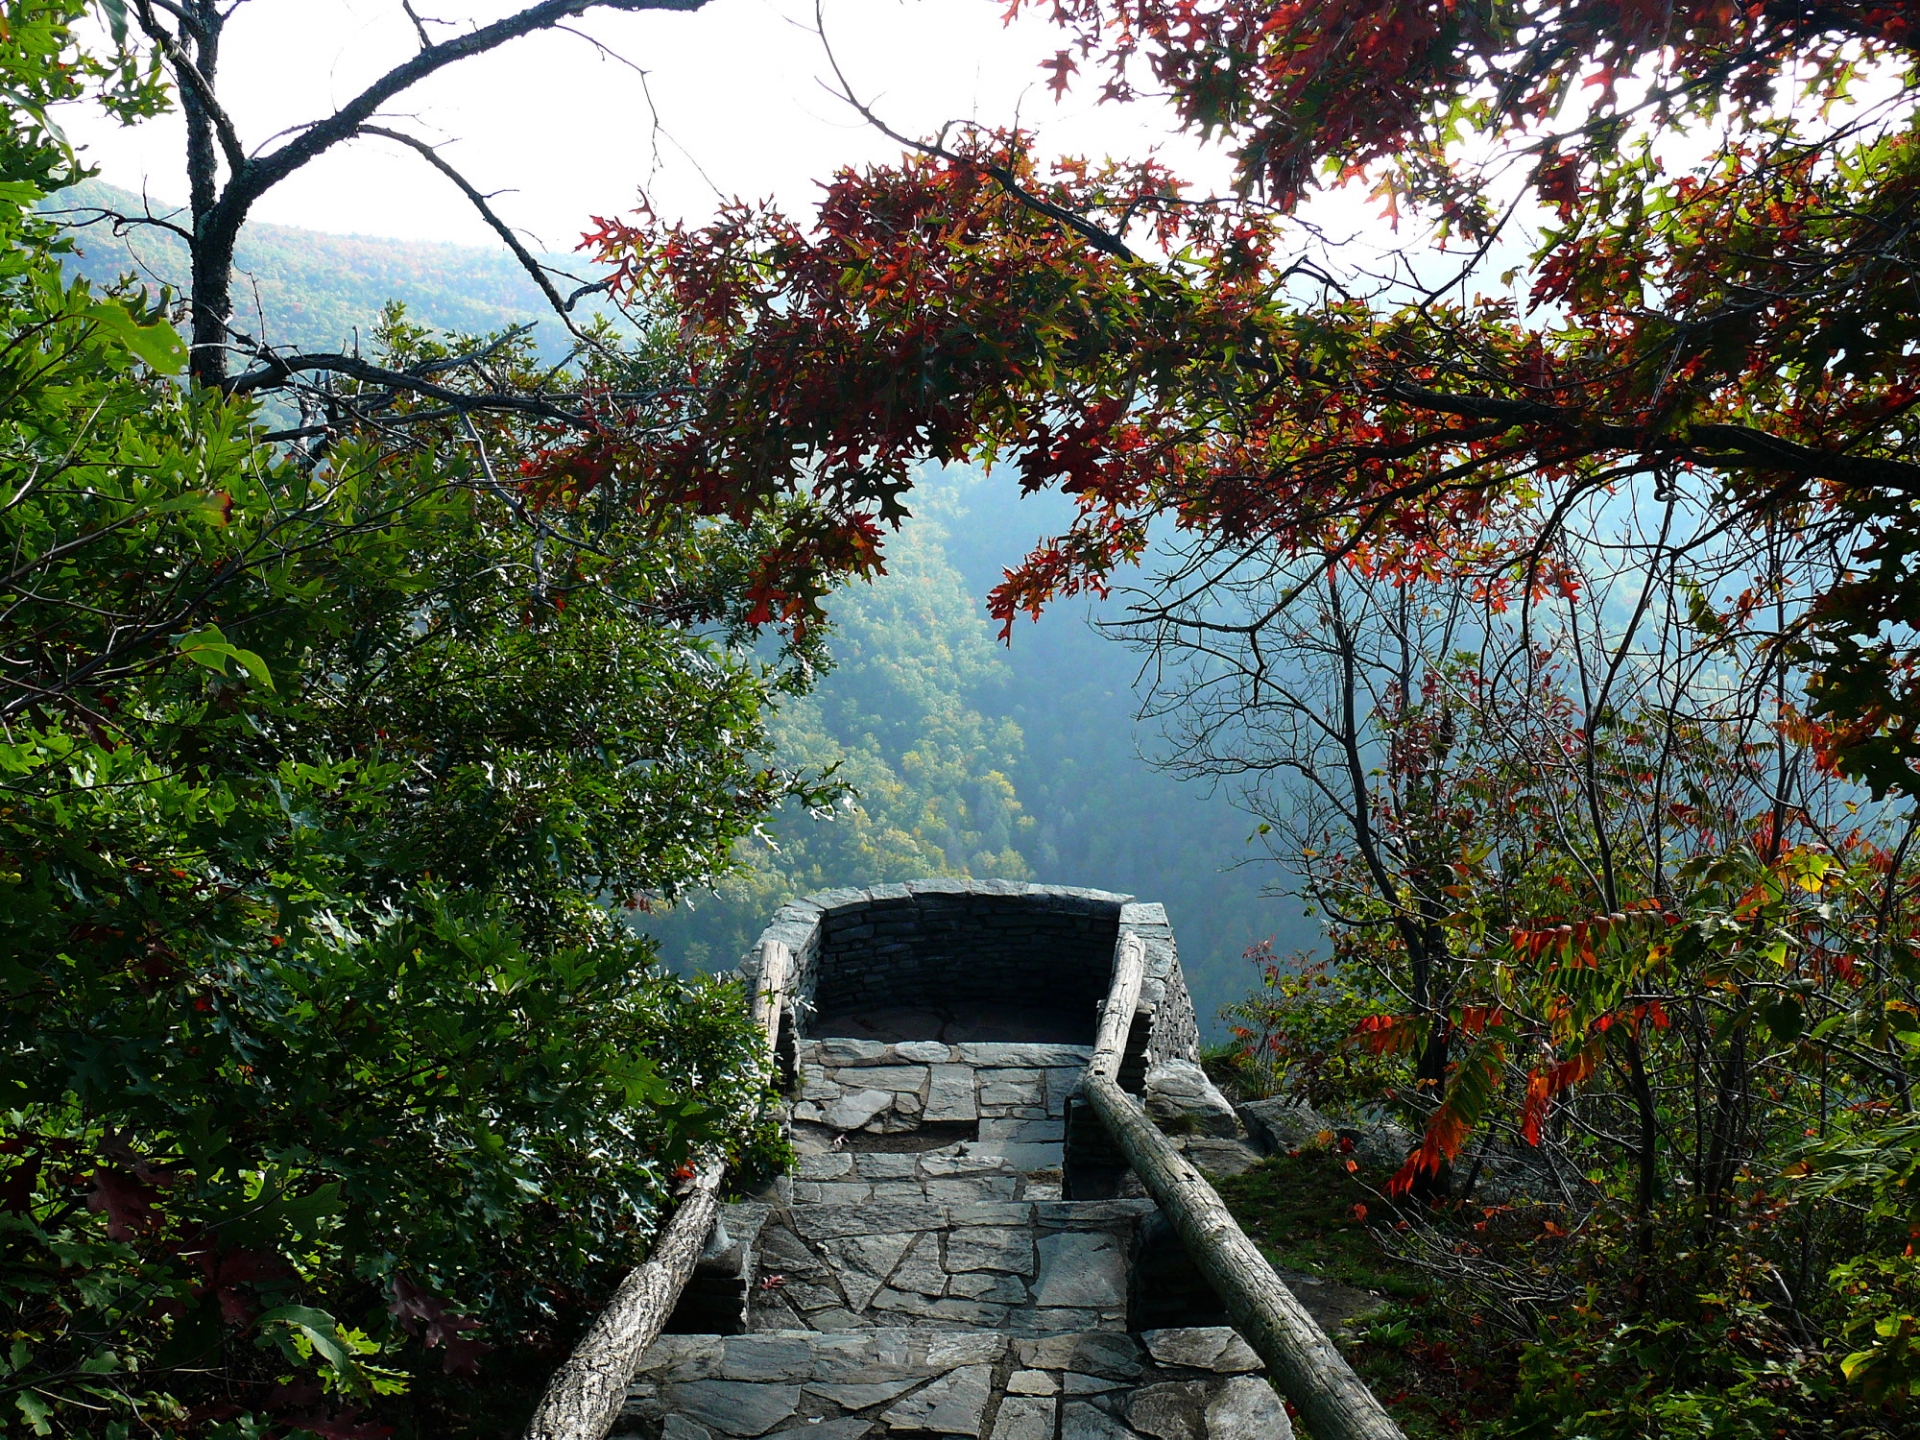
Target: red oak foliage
1741	327
1305	83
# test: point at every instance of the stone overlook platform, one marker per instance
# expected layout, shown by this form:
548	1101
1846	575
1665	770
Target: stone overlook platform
962	1252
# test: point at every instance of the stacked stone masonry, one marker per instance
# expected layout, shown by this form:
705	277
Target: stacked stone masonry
922	1273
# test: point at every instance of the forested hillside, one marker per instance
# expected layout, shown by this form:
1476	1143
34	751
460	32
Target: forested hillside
968	758
307	288
965	757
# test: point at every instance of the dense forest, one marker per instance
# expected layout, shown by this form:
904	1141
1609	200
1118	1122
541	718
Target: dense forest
406	714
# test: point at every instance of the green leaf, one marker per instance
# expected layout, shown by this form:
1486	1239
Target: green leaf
116	13
36	1410
210	648
156	343
318	1326
1784	1017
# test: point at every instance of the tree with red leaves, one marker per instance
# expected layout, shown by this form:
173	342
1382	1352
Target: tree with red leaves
1630	381
1713	203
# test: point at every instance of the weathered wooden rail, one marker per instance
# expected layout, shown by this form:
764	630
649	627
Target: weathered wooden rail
1310	1372
583	1399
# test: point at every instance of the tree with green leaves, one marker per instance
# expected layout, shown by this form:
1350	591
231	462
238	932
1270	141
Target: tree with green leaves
328	1071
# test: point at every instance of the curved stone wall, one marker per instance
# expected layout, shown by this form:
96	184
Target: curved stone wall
943	941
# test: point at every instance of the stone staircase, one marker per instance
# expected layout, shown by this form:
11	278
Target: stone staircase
921	1275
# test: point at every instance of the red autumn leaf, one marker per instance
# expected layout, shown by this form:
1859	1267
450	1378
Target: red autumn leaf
124	1200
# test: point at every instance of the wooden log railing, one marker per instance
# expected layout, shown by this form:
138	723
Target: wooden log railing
1310	1372
583	1399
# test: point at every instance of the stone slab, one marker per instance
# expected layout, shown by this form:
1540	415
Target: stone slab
963	1189
830	1165
1247	1409
1115	1356
831	1192
1025	1056
863	1262
895	1306
766	1357
847	1427
1013	1087
990	1213
818	1222
736	1407
955	1404
1028	1158
951	1096
1021	1132
861	1396
1176	1411
1009	1251
847	1052
856	1109
1213	1347
920	1271
924	1052
897	1078
1024	1417
1081	1268
1081	1421
1220	1157
984	1285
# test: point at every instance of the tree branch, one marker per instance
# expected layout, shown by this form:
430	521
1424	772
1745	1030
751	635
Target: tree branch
278	370
202	87
1101	239
1751	448
532	266
268	170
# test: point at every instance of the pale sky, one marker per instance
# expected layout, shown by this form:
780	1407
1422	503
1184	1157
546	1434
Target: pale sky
569	132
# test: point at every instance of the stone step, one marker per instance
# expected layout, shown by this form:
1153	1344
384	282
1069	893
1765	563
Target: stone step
1011	1098
1185	1384
1032	1266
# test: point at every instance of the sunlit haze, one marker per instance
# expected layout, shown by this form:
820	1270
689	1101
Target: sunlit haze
565	130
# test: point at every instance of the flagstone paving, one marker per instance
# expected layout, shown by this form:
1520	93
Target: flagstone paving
902	1287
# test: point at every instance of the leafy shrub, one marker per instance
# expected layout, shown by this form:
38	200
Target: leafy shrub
325	1070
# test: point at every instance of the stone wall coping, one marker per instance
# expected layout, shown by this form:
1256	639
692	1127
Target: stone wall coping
796	922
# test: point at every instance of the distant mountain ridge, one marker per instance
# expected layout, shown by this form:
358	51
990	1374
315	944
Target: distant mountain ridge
314	290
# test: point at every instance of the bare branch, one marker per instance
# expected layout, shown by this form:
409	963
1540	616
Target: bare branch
348	120
279	370
532	266
202	87
1094	235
